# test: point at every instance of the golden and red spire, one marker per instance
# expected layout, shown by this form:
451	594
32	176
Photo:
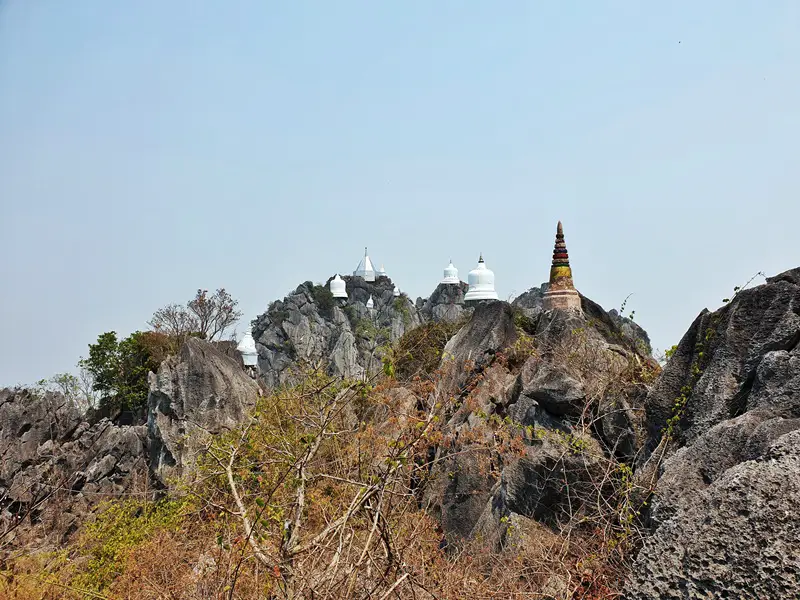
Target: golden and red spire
561	293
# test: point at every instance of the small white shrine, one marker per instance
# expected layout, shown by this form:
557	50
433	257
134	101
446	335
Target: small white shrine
450	274
370	303
338	287
365	270
481	283
382	272
396	291
247	348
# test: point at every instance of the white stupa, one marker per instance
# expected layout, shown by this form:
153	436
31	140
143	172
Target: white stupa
370	302
450	274
396	291
365	270
381	272
247	348
338	287
481	283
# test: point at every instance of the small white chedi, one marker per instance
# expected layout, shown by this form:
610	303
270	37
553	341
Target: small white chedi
450	274
481	283
338	287
370	302
365	270
247	348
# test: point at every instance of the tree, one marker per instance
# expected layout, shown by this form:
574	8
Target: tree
206	316
120	368
214	313
71	387
175	321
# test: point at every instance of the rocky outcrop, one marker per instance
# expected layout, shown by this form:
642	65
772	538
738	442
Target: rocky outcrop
201	391
518	447
55	465
722	519
309	326
446	303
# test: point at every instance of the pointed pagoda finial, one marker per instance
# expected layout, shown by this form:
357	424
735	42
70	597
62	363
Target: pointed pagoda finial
480	259
561	291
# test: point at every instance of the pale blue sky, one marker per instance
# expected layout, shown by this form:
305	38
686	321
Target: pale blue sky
148	148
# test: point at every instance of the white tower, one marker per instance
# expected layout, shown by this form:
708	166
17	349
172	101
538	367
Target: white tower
450	274
370	302
481	283
381	272
247	348
396	291
338	287
365	270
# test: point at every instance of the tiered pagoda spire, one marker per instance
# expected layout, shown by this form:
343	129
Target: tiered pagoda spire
561	293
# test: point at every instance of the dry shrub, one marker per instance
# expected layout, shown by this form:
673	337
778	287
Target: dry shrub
419	351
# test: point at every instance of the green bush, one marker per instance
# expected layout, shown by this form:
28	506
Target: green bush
118	528
120	367
419	351
323	298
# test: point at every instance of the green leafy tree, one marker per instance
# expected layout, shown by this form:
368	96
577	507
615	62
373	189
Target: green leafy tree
120	367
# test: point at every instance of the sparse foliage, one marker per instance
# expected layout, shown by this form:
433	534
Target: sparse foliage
214	313
207	316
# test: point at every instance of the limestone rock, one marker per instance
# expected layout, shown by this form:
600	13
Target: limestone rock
722	519
490	329
57	465
552	387
737	538
726	350
446	303
200	391
309	327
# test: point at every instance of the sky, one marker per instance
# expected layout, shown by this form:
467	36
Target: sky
150	148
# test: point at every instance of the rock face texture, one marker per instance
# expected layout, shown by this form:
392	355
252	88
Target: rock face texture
55	465
533	382
310	326
197	392
446	303
723	519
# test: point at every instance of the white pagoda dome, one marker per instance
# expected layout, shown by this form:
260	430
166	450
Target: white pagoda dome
338	287
247	348
450	274
381	272
396	291
481	283
370	302
365	270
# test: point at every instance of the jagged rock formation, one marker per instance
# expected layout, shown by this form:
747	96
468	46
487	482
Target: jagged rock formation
476	487
310	326
446	303
723	513
55	465
201	391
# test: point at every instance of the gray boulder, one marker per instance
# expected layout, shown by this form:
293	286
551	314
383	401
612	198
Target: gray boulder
721	519
719	360
310	327
552	387
737	538
55	466
202	391
489	330
446	303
